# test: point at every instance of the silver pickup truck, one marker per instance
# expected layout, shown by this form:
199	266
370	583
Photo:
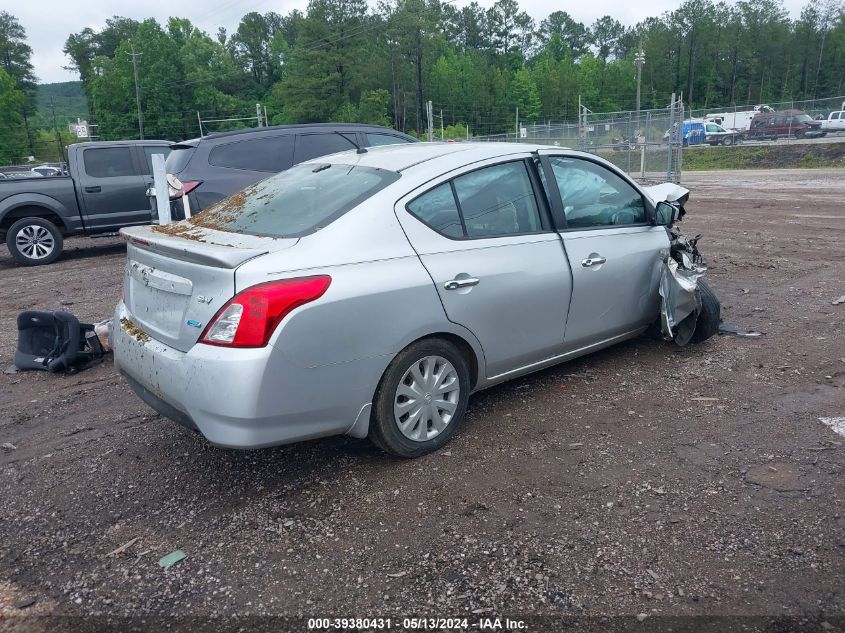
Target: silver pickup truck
104	191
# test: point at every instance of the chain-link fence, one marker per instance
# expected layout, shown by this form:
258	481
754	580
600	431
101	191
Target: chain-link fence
655	144
642	143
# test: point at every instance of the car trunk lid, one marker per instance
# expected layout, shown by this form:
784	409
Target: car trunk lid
178	276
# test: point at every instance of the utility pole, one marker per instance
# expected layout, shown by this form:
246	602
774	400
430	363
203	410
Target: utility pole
639	60
580	145
430	117
58	134
258	114
516	130
441	125
134	57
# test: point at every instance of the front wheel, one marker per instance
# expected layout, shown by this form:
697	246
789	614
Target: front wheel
421	399
710	316
728	140
34	241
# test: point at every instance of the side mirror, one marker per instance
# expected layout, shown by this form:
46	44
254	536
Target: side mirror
666	214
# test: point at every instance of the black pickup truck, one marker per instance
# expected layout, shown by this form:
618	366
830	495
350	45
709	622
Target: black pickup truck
105	191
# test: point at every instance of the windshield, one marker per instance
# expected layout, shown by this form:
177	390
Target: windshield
296	202
803	118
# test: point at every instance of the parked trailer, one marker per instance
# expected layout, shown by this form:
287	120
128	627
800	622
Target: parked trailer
737	121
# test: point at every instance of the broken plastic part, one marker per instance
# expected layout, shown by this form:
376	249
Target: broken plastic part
730	328
680	304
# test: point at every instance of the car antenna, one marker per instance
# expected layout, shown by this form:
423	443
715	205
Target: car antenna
360	150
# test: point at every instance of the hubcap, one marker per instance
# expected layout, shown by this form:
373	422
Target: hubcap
35	241
426	398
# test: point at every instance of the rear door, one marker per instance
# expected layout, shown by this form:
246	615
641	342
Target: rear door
112	188
486	240
613	251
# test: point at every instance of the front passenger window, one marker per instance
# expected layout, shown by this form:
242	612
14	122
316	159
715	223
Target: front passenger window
593	196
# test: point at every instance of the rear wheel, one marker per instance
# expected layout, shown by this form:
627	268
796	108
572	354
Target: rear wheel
34	241
728	140
421	399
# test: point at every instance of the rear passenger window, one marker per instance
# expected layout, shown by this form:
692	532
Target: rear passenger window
108	162
498	200
310	146
437	208
270	153
384	139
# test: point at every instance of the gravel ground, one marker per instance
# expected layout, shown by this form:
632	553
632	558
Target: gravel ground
643	482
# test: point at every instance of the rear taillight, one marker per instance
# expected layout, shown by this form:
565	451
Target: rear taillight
250	318
188	187
176	188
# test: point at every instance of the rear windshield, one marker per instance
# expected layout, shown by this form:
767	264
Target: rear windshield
178	158
295	202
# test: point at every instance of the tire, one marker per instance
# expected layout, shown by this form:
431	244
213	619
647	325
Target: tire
710	315
34	242
432	358
728	140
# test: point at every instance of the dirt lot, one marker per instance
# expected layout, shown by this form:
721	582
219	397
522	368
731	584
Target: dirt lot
645	480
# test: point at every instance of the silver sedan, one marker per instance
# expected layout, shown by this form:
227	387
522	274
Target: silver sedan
370	293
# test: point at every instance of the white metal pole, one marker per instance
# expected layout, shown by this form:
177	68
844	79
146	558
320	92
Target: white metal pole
160	184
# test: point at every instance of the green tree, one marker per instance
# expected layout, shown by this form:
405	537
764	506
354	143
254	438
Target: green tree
524	95
13	141
374	107
15	60
573	34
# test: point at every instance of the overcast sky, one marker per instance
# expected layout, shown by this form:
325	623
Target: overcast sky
49	22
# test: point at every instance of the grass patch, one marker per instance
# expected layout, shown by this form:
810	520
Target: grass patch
804	155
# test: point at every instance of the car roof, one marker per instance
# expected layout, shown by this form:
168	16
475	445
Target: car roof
403	156
121	143
347	127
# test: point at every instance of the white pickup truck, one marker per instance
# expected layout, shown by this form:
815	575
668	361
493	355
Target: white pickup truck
834	122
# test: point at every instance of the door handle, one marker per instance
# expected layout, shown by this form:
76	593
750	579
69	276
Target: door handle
94	189
454	284
593	261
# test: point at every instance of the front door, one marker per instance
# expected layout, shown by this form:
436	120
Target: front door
614	252
498	266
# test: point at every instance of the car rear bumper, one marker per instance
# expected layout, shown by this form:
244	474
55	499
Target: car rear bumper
239	398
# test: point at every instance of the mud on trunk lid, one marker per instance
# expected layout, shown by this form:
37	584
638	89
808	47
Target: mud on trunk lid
178	276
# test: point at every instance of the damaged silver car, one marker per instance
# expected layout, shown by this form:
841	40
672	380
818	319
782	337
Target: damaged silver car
369	293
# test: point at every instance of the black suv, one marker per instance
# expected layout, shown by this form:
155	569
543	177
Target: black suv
216	166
